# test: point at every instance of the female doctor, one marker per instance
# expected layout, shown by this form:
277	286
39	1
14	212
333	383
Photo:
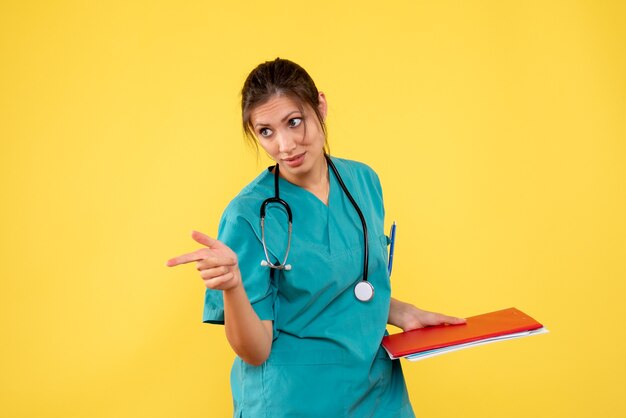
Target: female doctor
303	297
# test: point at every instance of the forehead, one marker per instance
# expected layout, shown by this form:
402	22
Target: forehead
275	109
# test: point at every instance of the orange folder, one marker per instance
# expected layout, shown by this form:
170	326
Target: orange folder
477	328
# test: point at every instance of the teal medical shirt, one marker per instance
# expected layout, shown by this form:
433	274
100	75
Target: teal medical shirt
326	359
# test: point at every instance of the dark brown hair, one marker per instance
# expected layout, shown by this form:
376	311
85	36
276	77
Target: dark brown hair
276	78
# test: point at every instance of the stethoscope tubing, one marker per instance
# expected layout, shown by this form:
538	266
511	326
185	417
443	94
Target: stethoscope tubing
276	199
358	211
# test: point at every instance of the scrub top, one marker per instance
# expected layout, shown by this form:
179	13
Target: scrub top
326	359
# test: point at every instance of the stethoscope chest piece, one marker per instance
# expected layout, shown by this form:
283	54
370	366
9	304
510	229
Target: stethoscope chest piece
364	291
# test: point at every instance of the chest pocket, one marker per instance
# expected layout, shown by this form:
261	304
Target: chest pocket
384	245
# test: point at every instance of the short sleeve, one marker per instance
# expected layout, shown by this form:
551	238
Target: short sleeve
240	236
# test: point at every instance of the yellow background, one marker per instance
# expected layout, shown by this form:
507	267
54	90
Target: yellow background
497	127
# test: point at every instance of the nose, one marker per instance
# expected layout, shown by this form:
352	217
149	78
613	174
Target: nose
286	142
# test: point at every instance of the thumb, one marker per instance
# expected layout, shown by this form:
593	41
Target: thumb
452	320
204	239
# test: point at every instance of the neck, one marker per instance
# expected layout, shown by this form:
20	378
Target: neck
315	181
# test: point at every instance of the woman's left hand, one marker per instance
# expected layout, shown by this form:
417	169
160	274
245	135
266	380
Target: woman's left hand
408	317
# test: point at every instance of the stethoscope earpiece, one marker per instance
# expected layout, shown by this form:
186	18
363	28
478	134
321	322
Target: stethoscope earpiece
287	267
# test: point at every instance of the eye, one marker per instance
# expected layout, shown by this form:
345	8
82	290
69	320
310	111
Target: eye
265	132
294	122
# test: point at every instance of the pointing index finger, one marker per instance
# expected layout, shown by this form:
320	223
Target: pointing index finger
184	259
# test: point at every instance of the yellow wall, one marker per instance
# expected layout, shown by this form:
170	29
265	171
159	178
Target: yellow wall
498	130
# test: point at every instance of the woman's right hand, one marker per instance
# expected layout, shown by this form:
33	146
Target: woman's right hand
250	337
216	262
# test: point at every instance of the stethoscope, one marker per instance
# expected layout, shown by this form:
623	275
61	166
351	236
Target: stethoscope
363	290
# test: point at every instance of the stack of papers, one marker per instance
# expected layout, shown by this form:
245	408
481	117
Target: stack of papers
482	329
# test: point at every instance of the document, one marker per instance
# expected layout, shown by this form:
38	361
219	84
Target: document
482	329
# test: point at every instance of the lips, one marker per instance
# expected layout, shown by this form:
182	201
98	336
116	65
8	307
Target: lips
294	161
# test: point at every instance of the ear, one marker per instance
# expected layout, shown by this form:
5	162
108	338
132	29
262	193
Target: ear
322	106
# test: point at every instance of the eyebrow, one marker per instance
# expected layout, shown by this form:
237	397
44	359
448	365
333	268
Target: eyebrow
283	120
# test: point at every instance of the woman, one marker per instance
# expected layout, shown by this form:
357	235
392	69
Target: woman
306	345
